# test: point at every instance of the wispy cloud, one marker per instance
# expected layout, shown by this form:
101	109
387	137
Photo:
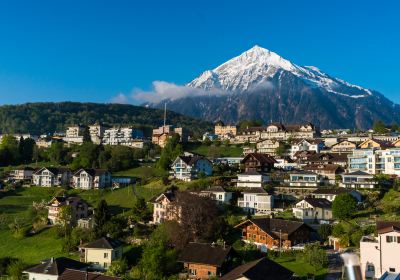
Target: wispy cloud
120	98
162	90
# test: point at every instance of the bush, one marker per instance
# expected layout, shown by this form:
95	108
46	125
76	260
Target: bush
324	232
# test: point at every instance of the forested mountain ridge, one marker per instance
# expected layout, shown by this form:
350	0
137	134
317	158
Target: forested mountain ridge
39	118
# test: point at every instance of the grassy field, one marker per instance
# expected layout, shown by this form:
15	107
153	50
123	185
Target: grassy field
220	151
32	249
300	268
146	170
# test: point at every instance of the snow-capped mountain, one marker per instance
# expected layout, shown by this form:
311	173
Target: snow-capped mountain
258	65
260	84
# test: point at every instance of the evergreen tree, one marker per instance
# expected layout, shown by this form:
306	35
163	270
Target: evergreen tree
86	135
101	216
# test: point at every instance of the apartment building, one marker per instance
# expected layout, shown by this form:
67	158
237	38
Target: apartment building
375	161
225	131
73	135
125	136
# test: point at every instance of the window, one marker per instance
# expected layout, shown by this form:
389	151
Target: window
105	265
105	255
391	269
370	267
390	239
193	271
254	236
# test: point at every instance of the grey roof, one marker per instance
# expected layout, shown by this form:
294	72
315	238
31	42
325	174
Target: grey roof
70	274
56	266
214	189
255	190
319	202
261	269
204	253
104	243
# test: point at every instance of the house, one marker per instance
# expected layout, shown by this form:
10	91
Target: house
101	252
188	167
281	131
85	223
44	142
313	209
268	233
285	163
250	134
164	207
225	131
380	253
218	194
53	268
203	261
251	179
91	179
21	174
51	177
256	201
261	269
343	146
79	208
331	193
231	161
315	145
268	146
326	171
375	143
304	179
258	162
326	158
72	274
358	180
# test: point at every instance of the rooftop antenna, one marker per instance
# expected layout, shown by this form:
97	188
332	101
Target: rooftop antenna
165	112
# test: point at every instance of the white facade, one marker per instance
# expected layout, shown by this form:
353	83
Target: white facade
91	179
73	135
96	133
218	194
256	202
251	180
121	136
187	168
309	212
375	161
51	177
380	254
306	145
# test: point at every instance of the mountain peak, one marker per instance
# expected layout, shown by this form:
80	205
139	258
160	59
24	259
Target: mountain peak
258	65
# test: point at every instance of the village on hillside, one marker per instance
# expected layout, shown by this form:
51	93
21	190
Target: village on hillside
240	202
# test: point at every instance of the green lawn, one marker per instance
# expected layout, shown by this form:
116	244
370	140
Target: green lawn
145	170
300	268
220	151
31	250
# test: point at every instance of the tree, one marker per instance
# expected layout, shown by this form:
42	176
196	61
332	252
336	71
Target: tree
86	135
171	150
344	206
65	219
14	270
249	123
315	255
139	209
57	153
87	156
101	216
158	259
9	153
198	219
325	231
379	127
282	149
118	268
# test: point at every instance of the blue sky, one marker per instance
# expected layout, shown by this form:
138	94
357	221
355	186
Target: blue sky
95	50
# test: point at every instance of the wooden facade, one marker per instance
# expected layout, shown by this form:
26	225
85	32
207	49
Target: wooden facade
289	233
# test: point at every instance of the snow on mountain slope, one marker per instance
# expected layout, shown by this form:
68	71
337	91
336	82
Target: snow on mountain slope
258	65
